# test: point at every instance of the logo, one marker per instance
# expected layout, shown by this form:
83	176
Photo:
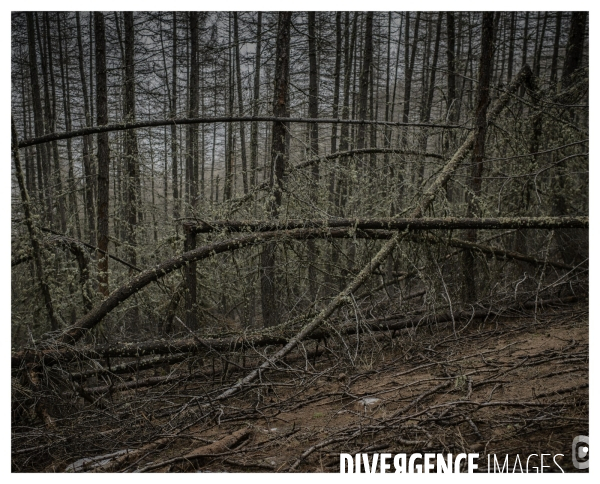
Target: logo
581	452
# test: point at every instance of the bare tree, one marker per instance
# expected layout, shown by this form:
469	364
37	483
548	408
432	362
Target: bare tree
270	309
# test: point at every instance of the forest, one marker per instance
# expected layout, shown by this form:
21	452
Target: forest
253	241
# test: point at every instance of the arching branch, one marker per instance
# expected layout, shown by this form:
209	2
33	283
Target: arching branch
218	119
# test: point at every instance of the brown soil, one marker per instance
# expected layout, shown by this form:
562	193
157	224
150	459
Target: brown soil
516	386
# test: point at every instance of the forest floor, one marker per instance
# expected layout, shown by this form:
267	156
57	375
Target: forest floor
517	385
527	381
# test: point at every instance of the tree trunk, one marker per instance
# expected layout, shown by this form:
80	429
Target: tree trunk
131	148
539	46
524	49
270	307
478	154
228	188
191	163
554	67
575	48
65	86
336	82
450	54
409	72
364	79
131	145
573	247
48	175
313	112
430	91
57	178
255	103
511	47
174	160
238	71
38	114
103	156
87	148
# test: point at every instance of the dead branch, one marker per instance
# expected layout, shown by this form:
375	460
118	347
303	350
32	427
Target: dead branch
491	251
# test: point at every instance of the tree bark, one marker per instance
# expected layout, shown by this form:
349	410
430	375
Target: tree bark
174	160
554	66
47	167
430	91
524	48
238	72
450	55
313	129
393	223
222	119
409	72
103	156
191	163
478	155
88	171
364	79
131	145
539	46
511	47
52	115
228	186
255	103
270	306
65	85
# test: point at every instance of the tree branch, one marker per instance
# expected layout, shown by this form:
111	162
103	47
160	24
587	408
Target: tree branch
218	119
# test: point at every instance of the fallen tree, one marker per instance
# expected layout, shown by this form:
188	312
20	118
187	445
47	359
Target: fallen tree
408	224
160	352
121	294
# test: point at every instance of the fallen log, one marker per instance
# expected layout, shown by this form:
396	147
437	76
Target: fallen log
179	349
173	379
389	323
408	224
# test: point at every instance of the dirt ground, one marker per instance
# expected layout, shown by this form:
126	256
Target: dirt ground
514	386
518	388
